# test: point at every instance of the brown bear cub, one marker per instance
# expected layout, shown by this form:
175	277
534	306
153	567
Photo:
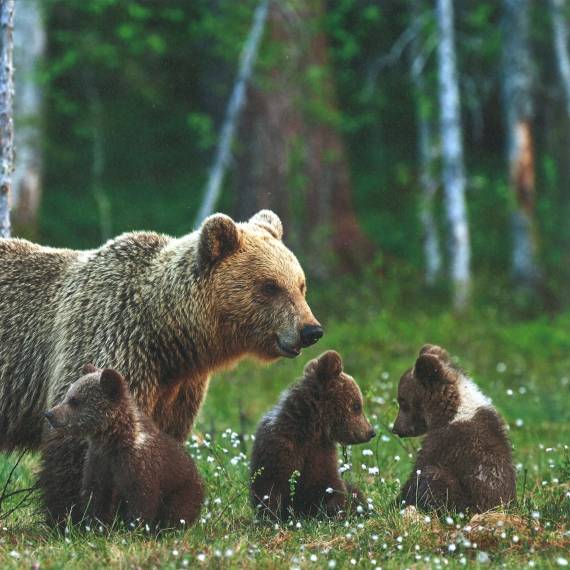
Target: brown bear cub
294	464
465	462
130	463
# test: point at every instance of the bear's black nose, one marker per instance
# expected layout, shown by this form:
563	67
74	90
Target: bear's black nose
311	334
371	434
48	414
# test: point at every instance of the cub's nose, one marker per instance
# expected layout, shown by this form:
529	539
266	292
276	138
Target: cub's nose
311	334
371	434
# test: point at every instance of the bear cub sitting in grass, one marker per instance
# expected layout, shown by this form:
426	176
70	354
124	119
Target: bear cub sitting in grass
294	464
130	463
465	462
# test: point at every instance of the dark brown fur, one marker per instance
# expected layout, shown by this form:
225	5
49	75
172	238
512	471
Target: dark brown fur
297	439
129	461
465	462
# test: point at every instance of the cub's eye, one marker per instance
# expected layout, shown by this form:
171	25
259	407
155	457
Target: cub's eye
357	407
270	288
73	402
302	288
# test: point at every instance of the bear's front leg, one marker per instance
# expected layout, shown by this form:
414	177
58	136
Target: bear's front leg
60	477
98	496
434	489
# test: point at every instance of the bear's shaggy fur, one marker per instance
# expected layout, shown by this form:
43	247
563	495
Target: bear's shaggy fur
166	312
295	443
129	461
465	462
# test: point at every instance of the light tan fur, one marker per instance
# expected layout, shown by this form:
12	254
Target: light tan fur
166	312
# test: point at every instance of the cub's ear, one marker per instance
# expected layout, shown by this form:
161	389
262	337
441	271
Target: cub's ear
89	368
326	367
219	237
269	221
429	369
435	350
112	384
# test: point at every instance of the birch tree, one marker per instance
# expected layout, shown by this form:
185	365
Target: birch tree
517	103
560	38
452	156
426	152
29	48
233	111
6	112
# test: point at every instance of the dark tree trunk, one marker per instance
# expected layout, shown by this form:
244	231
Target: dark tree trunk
518	110
293	157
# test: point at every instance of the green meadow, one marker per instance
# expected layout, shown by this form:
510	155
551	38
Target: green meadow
522	362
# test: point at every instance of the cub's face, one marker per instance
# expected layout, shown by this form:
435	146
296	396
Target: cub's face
259	287
427	394
411	420
90	403
343	400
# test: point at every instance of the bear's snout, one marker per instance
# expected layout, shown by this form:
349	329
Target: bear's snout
310	334
53	419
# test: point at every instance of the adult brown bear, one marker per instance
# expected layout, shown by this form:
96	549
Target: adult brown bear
166	312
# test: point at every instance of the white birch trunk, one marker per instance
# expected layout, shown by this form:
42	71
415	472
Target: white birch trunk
560	28
6	112
29	48
452	157
233	111
427	155
520	153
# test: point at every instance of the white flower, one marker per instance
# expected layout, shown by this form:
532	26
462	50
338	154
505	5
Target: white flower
329	490
15	554
562	561
519	422
313	558
367	452
373	470
332	563
201	557
229	553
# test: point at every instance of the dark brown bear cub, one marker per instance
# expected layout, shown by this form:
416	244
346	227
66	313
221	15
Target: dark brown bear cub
129	460
294	464
465	462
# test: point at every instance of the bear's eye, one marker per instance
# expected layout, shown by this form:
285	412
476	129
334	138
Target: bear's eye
357	407
270	288
302	288
73	402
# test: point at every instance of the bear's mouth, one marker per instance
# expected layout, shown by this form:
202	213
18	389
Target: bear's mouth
288	351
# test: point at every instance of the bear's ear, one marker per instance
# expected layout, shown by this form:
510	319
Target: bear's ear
269	221
112	384
429	369
89	368
219	237
328	366
435	350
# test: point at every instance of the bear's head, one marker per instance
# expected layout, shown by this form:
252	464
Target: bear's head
256	287
434	393
91	404
342	415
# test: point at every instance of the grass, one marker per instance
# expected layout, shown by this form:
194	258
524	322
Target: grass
524	365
